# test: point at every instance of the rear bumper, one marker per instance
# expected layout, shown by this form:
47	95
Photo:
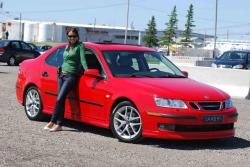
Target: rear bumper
19	93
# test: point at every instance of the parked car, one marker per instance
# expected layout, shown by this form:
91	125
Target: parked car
233	59
40	48
43	48
133	90
14	52
33	46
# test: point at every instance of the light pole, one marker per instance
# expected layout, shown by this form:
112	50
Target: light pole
215	29
20	26
126	30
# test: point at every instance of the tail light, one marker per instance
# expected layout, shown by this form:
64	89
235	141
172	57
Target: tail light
2	50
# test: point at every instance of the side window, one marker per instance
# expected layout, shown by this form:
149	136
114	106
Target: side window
234	56
25	46
55	58
15	45
92	61
242	55
248	55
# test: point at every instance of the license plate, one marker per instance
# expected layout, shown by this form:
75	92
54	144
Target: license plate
213	118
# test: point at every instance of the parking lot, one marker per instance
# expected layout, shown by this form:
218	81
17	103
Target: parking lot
25	143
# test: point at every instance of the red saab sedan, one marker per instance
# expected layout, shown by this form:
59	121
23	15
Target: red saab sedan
133	90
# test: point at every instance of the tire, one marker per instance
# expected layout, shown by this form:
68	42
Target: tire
126	123
12	61
33	104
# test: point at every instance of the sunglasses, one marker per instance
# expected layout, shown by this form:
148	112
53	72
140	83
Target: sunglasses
72	36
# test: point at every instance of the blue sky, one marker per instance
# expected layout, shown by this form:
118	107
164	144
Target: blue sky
233	16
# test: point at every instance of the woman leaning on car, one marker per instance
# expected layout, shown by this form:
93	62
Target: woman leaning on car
68	74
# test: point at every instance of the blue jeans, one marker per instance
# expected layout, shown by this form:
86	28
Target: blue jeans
66	83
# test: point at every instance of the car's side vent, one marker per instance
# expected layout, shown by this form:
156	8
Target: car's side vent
194	106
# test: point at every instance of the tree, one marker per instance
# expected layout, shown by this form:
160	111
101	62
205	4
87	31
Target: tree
150	38
170	31
188	26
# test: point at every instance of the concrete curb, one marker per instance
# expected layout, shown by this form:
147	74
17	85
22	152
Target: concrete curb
234	82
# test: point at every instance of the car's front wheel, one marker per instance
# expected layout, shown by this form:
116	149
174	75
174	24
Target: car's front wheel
33	104
126	122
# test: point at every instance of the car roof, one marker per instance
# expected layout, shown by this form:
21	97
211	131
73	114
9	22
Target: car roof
114	46
9	40
238	51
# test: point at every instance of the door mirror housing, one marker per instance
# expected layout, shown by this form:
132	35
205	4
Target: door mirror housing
93	73
185	73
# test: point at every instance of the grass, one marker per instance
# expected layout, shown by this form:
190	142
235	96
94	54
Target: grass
47	43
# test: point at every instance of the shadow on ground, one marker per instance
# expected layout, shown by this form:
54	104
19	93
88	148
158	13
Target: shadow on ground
79	127
216	144
3	72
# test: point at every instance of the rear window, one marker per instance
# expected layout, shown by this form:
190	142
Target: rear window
3	43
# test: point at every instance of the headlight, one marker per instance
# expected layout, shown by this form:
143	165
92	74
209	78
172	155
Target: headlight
228	103
240	66
170	103
213	65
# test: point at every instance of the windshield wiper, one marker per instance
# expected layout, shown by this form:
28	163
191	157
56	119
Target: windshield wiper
172	76
140	75
149	75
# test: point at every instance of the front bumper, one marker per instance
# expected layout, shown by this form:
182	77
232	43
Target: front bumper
191	126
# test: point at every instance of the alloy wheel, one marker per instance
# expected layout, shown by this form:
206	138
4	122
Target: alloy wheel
127	123
12	61
32	103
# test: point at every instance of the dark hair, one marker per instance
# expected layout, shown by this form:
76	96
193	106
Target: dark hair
73	29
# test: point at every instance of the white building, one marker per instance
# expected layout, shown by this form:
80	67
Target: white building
225	45
32	31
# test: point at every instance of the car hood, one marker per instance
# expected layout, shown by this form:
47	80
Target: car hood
175	88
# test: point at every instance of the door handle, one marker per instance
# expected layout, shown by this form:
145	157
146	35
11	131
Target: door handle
45	74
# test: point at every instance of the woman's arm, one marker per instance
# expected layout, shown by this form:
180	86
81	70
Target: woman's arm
82	56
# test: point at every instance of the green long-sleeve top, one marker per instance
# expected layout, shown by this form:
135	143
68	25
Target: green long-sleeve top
73	58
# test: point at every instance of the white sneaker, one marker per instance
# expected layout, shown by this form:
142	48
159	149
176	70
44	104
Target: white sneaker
56	128
46	128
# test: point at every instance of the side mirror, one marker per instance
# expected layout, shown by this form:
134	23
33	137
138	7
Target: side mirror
94	73
185	73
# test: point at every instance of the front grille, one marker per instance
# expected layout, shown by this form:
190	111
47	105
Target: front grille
196	128
194	106
208	106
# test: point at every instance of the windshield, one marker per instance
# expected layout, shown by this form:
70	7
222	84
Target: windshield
140	64
33	46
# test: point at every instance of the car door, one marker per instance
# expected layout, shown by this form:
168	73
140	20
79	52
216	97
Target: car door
93	91
49	81
27	52
14	49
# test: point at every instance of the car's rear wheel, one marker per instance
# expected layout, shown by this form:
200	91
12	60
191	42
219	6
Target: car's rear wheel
33	104
126	122
12	61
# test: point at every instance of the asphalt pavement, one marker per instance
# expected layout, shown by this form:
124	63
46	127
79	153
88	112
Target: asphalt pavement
24	143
